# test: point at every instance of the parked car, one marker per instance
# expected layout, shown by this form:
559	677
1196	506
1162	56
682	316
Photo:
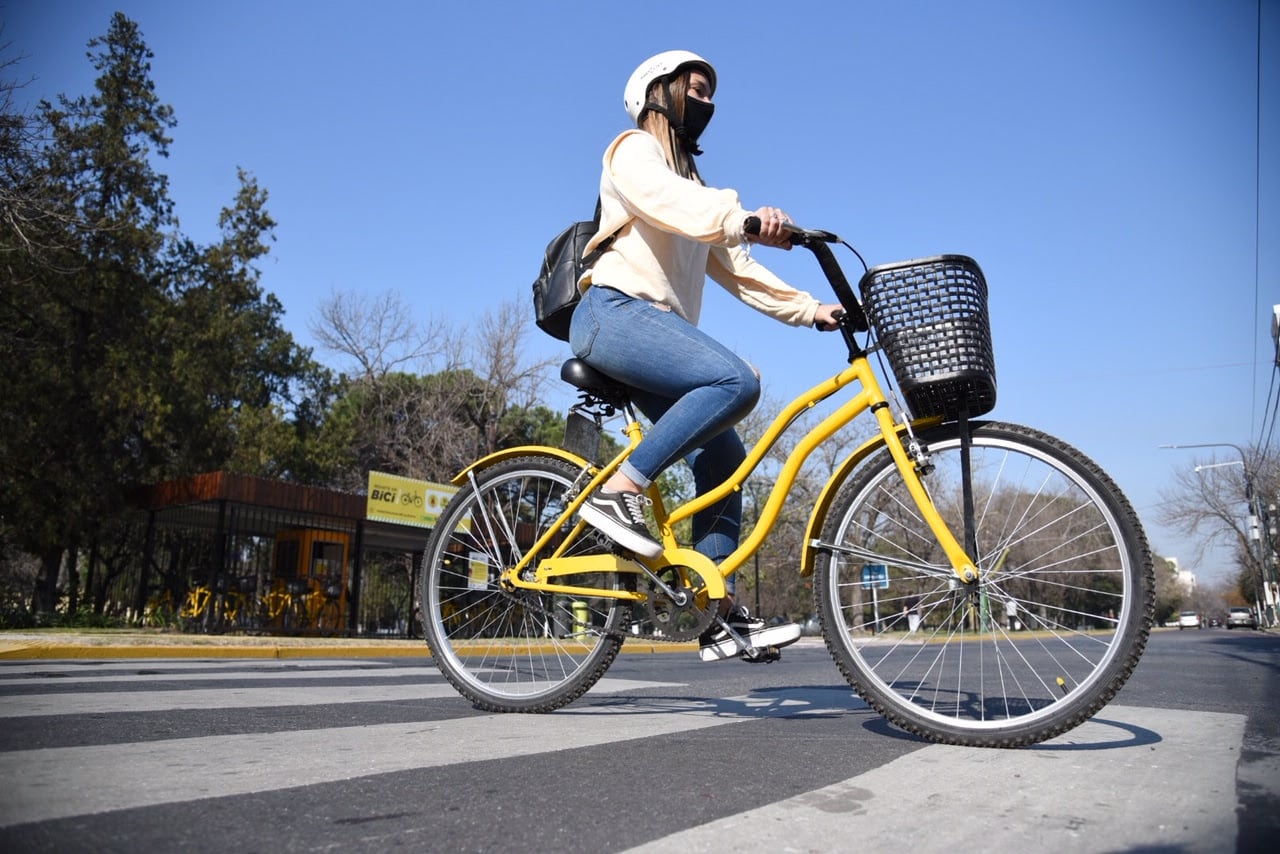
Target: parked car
1189	620
1241	618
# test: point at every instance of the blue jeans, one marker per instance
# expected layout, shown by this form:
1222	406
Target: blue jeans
689	385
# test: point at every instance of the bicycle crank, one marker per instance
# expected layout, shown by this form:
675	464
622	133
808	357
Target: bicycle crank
761	655
676	610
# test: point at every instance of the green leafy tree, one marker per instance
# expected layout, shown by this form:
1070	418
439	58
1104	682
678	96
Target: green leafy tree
76	316
142	355
234	376
1169	591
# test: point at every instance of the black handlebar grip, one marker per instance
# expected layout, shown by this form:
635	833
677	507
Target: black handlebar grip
751	225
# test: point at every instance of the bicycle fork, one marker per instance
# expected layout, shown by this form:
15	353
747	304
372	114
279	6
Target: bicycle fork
911	465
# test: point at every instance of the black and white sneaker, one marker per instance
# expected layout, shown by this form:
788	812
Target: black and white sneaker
716	644
620	517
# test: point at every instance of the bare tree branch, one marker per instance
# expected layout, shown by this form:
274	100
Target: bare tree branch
1210	498
378	333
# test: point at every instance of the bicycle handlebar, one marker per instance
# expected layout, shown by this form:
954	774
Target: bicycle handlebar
817	241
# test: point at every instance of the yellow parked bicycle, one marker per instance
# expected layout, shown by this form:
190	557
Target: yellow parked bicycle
977	583
194	607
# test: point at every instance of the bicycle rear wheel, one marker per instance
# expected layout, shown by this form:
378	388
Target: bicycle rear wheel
515	650
329	619
1045	637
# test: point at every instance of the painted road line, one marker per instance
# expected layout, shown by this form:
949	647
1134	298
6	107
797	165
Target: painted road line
62	782
1141	779
120	702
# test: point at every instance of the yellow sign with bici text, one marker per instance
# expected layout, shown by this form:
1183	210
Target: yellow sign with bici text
406	501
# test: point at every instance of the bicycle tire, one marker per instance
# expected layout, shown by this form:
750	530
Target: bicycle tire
329	620
514	651
293	618
1054	536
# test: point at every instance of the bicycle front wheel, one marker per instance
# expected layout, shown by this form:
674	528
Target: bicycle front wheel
516	650
1047	634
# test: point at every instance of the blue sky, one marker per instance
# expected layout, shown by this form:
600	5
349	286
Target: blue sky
1099	158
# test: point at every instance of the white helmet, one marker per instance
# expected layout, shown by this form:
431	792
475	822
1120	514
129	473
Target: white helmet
655	68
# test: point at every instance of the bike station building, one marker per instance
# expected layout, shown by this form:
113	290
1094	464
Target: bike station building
244	536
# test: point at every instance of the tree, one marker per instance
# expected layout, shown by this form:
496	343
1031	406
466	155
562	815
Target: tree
511	382
231	373
424	400
1169	590
142	356
27	206
378	335
73	320
782	590
1216	500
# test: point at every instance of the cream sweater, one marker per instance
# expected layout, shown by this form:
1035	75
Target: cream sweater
675	233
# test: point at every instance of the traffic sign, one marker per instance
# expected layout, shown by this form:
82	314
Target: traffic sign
875	575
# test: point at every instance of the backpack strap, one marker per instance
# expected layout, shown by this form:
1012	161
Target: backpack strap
603	245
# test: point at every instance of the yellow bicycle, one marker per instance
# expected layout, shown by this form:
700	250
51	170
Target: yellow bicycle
977	583
194	608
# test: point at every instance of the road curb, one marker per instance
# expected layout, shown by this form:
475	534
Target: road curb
121	651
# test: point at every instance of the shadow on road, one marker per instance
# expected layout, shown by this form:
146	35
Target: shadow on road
833	702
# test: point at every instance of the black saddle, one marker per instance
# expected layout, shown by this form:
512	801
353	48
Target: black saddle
582	376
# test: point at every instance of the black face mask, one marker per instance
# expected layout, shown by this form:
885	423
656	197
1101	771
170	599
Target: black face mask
697	114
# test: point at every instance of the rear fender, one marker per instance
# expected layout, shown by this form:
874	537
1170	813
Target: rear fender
511	453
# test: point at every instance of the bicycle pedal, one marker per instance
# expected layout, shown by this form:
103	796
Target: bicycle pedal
759	655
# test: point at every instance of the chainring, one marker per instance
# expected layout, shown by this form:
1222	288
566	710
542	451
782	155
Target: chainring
673	620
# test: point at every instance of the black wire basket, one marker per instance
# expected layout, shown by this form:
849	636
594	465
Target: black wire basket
930	316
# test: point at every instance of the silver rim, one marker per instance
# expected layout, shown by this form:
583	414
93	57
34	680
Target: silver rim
1038	634
506	645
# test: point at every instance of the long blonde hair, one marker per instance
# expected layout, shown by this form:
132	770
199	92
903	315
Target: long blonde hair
656	123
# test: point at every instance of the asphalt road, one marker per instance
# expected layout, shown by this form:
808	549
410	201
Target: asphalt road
369	753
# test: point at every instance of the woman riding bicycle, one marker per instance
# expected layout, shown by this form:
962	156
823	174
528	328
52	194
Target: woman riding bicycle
637	321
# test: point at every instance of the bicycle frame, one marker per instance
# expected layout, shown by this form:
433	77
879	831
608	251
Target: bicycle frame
869	397
1062	549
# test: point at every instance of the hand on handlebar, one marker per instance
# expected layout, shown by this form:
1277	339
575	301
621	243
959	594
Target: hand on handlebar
770	228
828	317
817	242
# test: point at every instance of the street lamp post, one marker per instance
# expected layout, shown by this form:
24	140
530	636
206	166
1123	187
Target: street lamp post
1267	613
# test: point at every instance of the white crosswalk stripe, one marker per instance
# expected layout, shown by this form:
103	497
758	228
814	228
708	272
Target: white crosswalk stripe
50	783
952	782
430	686
60	782
333	670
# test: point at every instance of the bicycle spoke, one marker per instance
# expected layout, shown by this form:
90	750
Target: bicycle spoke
513	649
1046	634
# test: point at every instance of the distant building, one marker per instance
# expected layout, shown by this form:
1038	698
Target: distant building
1186	578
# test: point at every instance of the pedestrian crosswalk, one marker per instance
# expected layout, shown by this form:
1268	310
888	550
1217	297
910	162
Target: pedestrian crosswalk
1018	800
1066	795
